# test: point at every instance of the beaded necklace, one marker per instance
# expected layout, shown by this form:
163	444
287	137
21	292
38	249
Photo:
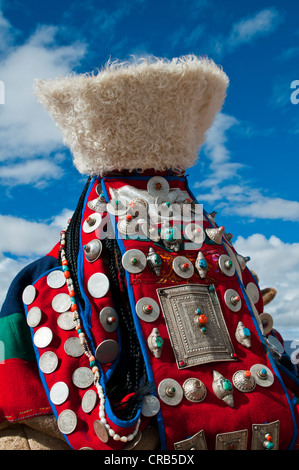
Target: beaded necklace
86	348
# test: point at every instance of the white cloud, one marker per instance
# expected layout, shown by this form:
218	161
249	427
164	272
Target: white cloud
277	265
26	129
35	172
23	241
226	186
246	30
263	22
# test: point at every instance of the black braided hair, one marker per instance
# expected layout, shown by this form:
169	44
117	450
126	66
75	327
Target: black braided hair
130	375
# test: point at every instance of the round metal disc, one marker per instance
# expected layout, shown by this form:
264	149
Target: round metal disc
195	233
106	314
82	377
93	250
34	317
275	344
149	316
134	261
178	267
107	351
98	285
158	186
42	337
48	362
56	279
61	303
133	443
67	421
99	189
264	380
223	265
242	383
194	390
117	206
29	294
227	298
59	393
253	292
65	321
92	222
150	406
128	228
170	392
267	322
73	347
89	401
97	205
100	430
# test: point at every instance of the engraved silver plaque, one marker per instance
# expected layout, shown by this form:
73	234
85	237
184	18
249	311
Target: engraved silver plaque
195	442
236	440
265	436
191	345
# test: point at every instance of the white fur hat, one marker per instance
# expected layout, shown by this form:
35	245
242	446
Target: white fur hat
150	114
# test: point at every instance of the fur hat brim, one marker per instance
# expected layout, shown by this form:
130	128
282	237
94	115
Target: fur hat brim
150	114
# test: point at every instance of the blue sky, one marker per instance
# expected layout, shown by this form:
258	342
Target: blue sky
248	167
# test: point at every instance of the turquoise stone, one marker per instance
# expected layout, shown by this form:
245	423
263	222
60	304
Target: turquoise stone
246	332
202	263
227	385
159	341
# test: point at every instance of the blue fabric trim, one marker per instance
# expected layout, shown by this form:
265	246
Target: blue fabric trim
37	355
136	320
86	315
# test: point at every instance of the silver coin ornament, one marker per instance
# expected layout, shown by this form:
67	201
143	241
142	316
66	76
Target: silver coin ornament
109	319
147	309
43	337
98	285
29	294
48	362
61	303
134	442
262	374
98	204
194	390
107	351
117	206
128	226
92	222
232	300
158	186
100	431
226	265
134	261
73	347
195	233
65	321
253	292
34	317
266	322
170	392
67	421
201	265
244	381
82	377
183	267
59	393
275	345
215	234
56	279
89	400
150	406
93	250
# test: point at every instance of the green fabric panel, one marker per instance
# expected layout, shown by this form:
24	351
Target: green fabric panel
15	338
